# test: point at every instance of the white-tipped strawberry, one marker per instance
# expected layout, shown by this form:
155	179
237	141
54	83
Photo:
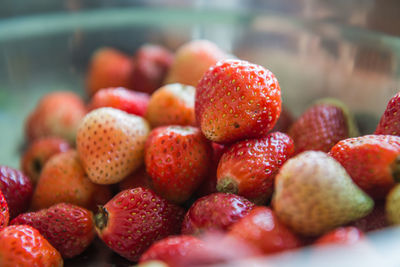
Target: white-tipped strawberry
110	144
314	194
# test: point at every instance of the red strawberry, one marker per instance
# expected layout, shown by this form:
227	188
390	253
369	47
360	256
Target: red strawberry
192	60
341	236
138	178
321	126
63	179
24	246
4	212
16	188
172	250
209	185
215	212
151	64
262	228
177	159
235	100
110	144
67	227
134	219
376	220
108	67
57	114
249	167
389	122
372	161
120	98
284	122
38	153
172	104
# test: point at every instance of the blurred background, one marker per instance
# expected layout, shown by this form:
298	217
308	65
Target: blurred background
349	49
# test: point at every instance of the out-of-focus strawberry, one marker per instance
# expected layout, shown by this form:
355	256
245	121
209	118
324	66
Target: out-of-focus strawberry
38	153
376	220
134	219
236	100
372	161
4	212
262	229
57	114
17	189
24	246
120	98
215	212
218	248
192	60
389	122
249	167
177	159
171	250
67	227
284	122
341	236
392	206
110	144
108	67
139	178
153	263
63	179
151	64
209	184
322	125
314	194
172	104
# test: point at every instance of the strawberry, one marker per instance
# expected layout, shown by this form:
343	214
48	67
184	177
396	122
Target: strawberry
24	246
389	122
151	64
110	144
38	153
284	122
63	179
209	184
16	188
138	178
236	100
192	60
314	194
376	220
131	221
172	104
57	114
153	263
108	67
67	227
217	211
262	228
120	98
342	236
372	161
4	212
177	159
392	206
249	167
321	126
171	250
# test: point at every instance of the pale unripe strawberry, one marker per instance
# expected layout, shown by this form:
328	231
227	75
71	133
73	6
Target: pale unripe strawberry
392	207
110	144
314	194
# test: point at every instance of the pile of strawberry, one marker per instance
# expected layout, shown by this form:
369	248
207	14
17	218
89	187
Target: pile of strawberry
195	164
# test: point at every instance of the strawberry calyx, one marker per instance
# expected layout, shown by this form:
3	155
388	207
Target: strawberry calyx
101	218
228	185
395	167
